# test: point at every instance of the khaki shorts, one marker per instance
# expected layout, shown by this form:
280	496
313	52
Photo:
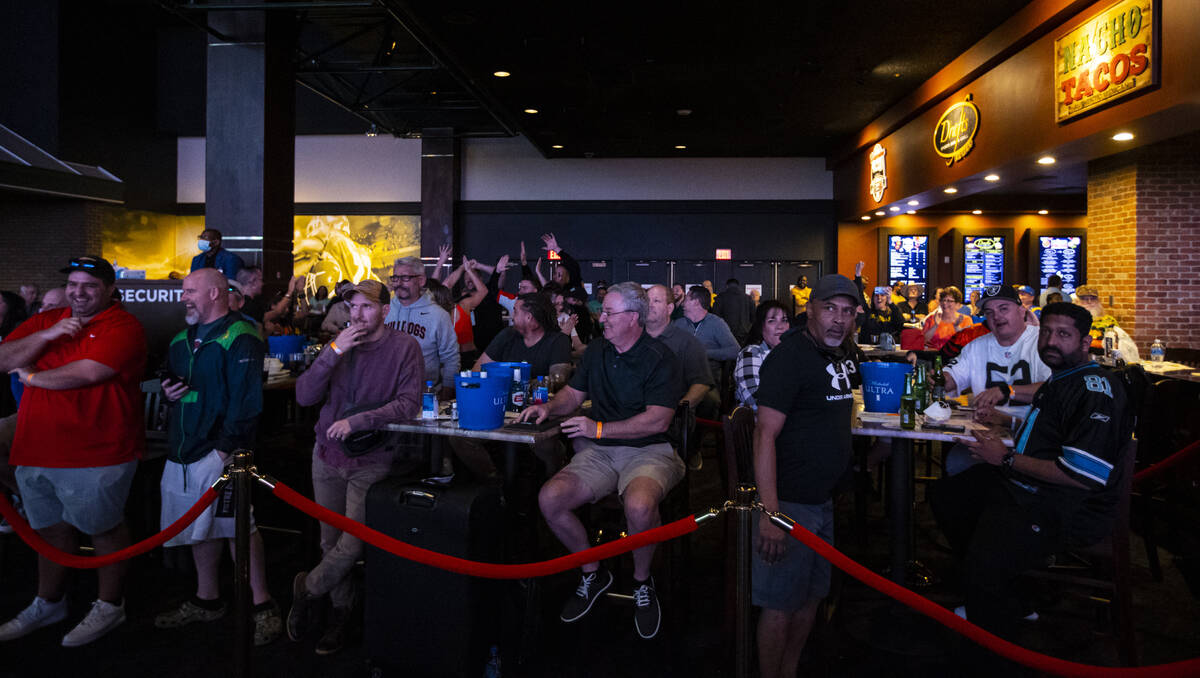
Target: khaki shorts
604	469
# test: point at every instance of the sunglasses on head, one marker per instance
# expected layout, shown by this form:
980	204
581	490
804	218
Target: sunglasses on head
82	263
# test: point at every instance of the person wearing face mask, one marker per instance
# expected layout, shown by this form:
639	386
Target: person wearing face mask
770	322
212	255
1089	298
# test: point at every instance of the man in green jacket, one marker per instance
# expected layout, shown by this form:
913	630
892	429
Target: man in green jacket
215	387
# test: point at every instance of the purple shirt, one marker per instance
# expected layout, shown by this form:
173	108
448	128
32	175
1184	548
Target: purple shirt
387	370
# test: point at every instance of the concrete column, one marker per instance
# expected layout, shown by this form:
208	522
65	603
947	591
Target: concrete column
441	170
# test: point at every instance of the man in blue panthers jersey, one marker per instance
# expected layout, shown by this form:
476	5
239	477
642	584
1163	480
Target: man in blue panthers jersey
1056	489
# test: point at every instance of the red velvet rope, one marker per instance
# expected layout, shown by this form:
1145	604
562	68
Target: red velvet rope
1151	472
709	423
35	541
477	569
1034	660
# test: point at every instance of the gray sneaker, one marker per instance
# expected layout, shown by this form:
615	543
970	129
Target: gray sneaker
647	615
40	613
188	613
590	587
102	618
268	625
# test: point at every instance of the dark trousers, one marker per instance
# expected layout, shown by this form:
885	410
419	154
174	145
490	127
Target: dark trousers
999	531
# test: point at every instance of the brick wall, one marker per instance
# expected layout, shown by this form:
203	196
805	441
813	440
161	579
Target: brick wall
37	238
1144	240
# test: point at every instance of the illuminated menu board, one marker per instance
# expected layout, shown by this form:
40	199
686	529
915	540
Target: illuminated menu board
1061	255
908	257
983	262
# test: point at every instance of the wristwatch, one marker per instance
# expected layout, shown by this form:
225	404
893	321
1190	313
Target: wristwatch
1007	460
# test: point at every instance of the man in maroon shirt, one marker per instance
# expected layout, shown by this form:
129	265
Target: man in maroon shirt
369	376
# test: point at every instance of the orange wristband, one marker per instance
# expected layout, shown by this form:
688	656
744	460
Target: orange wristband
334	346
599	429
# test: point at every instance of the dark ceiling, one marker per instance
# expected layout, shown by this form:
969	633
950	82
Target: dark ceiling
627	79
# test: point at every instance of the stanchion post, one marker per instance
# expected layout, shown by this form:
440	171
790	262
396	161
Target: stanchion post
744	641
243	629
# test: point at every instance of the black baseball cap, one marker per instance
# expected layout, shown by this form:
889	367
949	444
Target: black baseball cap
97	267
998	292
834	285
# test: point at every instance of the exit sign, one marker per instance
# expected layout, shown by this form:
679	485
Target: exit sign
724	255
553	256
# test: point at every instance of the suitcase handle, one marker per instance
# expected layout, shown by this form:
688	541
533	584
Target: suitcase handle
420	498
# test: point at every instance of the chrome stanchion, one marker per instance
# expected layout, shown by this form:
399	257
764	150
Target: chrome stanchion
243	628
744	508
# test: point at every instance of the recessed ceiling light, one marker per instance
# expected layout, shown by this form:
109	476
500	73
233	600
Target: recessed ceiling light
914	203
866	217
1043	211
1122	136
680	147
1046	160
880	213
950	189
894	208
976	211
992	177
911	212
501	74
557	147
531	111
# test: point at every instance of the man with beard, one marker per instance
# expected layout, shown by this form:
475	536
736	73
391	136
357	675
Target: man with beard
78	436
369	376
215	391
801	450
1089	298
1056	490
413	312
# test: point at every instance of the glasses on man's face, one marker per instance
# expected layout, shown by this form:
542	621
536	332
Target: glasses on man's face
606	313
403	278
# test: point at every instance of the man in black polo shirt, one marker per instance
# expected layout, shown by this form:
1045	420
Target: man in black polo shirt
634	382
1056	490
801	450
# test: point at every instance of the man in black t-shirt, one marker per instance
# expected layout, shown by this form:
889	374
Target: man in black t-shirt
1057	489
801	450
534	338
634	382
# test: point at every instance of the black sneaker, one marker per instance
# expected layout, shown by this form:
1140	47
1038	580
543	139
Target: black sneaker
591	585
300	616
334	637
647	615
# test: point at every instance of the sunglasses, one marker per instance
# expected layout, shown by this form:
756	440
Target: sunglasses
403	278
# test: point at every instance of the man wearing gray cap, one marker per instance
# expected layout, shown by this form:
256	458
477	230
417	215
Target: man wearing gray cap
801	450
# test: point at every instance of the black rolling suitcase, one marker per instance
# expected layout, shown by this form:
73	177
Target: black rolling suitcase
421	620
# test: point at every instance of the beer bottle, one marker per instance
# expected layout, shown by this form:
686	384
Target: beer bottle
908	405
939	380
921	387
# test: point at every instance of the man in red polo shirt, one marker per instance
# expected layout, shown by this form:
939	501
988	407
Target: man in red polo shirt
79	434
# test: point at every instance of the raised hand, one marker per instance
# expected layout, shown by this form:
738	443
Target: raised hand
551	242
523	262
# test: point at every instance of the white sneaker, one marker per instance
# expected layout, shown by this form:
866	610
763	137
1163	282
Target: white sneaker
40	612
104	617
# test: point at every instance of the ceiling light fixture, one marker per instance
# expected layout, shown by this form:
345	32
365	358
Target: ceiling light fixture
1122	136
950	189
531	111
976	211
866	217
680	147
1043	211
914	203
1046	160
557	147
894	208
372	130
880	213
684	112
911	212
501	74
992	177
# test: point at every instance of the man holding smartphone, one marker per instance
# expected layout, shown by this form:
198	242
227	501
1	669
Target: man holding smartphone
215	390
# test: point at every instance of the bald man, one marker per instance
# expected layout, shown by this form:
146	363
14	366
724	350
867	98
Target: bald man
213	256
215	391
55	297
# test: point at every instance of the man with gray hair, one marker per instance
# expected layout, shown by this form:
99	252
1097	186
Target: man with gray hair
412	311
634	382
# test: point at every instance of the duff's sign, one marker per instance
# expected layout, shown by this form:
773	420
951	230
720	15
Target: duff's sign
1109	56
954	134
878	172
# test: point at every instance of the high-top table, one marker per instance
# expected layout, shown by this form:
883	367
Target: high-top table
900	469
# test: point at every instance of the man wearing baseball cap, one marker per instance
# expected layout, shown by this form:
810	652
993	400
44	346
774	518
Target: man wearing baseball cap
1001	369
801	449
1088	297
79	435
369	376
